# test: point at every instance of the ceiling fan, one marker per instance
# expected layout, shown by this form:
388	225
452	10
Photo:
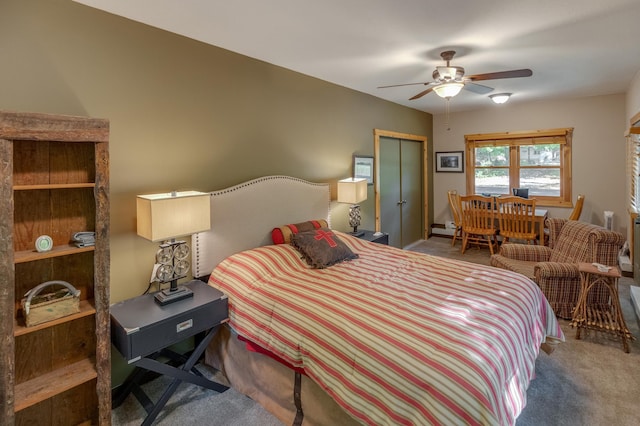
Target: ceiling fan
449	80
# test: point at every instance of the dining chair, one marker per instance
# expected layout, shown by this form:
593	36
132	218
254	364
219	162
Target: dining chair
453	196
577	209
517	219
478	221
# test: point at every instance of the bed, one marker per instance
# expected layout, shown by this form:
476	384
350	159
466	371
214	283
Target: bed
385	337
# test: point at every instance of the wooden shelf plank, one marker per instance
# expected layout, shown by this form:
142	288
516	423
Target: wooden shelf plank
27	126
54	186
47	385
86	309
60	250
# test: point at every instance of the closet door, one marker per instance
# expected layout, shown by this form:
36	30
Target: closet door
401	191
390	195
412	191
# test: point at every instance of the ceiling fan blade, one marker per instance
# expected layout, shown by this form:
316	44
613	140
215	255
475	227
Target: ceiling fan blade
501	74
405	84
421	94
477	88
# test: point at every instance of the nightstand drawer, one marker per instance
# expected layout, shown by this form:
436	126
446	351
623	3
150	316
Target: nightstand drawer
140	326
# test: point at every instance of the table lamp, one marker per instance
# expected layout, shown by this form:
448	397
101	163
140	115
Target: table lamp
353	191
163	217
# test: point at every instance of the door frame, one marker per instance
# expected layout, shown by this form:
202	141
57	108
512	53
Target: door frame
377	133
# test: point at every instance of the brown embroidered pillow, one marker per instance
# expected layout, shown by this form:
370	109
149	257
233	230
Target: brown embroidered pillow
282	234
321	248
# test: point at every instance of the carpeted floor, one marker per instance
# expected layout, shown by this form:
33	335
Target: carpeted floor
193	405
587	382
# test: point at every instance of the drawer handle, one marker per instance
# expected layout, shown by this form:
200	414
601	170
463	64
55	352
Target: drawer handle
184	325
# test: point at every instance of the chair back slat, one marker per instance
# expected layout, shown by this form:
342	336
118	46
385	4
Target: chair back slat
454	205
516	218
477	212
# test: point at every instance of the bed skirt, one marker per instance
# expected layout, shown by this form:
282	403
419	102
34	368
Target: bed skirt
271	383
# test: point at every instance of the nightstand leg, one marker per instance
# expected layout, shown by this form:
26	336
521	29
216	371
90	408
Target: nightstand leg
161	402
132	385
182	374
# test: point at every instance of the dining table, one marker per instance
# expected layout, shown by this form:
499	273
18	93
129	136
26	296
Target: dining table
541	216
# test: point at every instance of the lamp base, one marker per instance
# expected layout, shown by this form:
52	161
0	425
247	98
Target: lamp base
168	296
354	220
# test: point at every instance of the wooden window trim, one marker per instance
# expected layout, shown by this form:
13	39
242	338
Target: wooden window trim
562	136
633	168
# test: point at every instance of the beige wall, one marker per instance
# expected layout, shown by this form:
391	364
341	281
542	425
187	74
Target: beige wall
598	149
183	115
633	98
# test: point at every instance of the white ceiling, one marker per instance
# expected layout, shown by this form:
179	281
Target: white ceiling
575	48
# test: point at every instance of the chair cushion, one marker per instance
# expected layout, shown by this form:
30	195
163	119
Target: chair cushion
523	267
528	252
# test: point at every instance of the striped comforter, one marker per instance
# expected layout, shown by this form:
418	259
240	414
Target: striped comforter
395	337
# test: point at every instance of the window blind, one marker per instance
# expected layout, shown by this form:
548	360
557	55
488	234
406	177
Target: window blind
633	168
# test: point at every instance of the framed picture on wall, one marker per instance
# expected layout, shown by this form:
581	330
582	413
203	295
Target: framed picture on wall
363	167
451	161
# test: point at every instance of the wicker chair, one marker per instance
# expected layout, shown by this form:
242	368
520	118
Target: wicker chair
554	268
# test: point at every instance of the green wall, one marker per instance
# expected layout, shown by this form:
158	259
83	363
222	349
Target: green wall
184	115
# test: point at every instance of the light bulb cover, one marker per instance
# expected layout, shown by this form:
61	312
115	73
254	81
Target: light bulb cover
448	90
500	98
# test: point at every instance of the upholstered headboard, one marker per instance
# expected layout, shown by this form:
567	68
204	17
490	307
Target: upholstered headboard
243	216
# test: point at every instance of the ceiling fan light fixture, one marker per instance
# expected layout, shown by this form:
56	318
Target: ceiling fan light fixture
500	98
448	90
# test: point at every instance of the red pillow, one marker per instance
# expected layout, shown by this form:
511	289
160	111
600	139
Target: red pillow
282	234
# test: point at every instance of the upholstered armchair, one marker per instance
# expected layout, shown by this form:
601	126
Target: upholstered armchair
554	268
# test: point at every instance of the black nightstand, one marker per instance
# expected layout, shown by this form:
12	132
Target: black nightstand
142	330
380	239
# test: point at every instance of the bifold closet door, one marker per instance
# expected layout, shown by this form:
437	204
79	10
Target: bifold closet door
401	190
412	191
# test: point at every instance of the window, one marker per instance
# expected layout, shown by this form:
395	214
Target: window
539	161
633	176
633	168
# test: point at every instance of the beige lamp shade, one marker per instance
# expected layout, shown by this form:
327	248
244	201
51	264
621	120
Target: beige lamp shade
352	190
169	215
